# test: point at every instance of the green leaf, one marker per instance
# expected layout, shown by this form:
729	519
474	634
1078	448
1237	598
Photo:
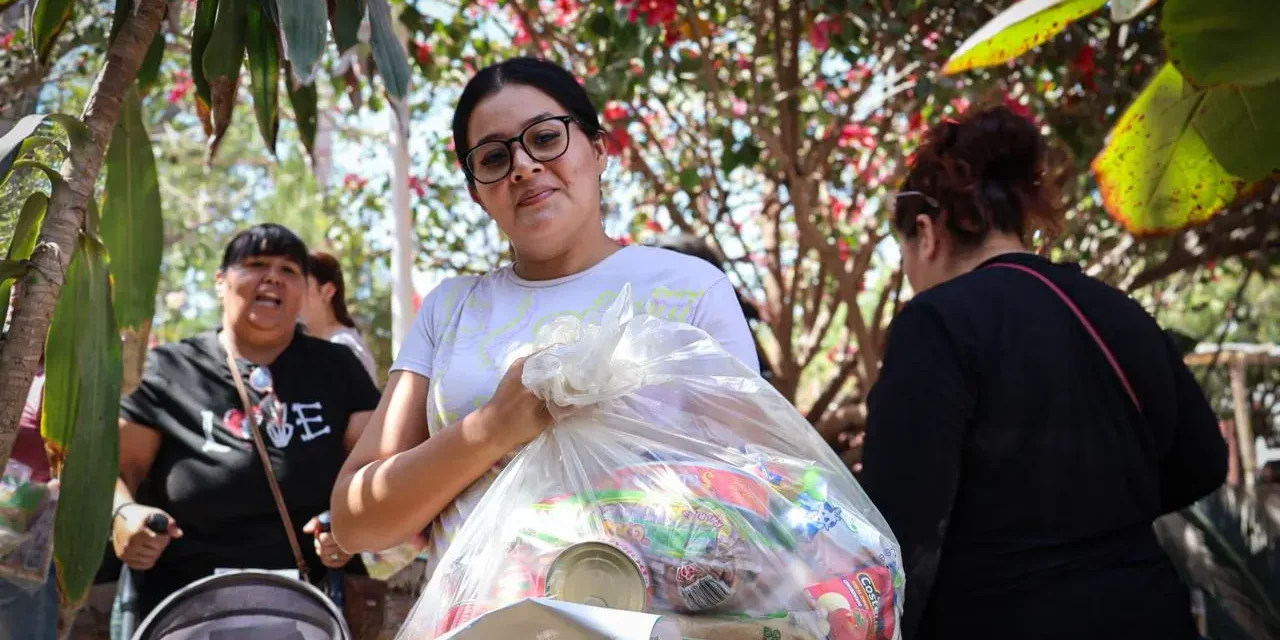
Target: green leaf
25	234
1016	30
223	59
1222	41
201	32
149	72
121	13
48	19
83	367
304	99
54	177
304	26
1240	128
345	21
132	222
10	270
75	128
1126	10
11	142
388	52
689	179
1156	173
264	75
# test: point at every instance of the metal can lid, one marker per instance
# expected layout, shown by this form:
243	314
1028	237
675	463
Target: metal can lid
598	574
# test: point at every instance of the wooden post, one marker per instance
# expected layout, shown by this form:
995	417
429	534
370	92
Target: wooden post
1244	426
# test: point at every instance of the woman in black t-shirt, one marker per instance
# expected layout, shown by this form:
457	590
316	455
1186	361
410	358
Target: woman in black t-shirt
1019	469
185	436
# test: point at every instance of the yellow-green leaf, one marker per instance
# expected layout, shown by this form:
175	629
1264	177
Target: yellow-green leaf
304	26
1018	29
264	74
83	367
1126	10
132	222
1215	42
389	54
48	19
25	233
1156	173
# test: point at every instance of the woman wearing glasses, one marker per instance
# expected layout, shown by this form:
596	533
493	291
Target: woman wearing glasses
187	449
530	145
1029	423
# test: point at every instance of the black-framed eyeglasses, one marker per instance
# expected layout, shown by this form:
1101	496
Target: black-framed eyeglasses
544	141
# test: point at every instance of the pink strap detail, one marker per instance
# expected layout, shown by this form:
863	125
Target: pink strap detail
1088	326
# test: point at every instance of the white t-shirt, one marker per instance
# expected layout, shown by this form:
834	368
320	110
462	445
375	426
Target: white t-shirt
470	329
351	339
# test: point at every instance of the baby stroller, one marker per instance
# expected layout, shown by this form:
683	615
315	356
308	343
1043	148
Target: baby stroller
245	605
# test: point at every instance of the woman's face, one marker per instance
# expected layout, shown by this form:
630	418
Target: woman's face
261	297
316	311
543	207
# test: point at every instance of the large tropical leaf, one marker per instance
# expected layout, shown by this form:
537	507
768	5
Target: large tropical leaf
48	20
201	32
1017	30
304	100
81	405
388	52
304	26
1240	126
1215	42
1225	546
25	234
264	74
222	59
1156	173
132	220
345	17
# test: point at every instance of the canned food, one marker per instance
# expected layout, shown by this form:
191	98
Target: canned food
607	574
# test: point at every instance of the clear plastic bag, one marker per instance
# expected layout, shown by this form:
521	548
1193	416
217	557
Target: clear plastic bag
671	454
27	510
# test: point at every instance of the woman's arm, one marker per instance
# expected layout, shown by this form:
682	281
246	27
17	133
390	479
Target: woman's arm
1196	463
135	544
397	479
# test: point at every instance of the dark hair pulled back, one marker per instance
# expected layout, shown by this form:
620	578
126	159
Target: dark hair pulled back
326	270
986	172
540	74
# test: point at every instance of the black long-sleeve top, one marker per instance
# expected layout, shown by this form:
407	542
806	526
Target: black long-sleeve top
1016	472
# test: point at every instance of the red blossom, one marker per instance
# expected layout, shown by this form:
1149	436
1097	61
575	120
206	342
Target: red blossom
422	52
1017	107
416	301
354	182
6	40
626	240
182	85
856	134
821	31
418	186
616	141
654	12
615	111
838	208
739	107
845	252
1085	64
653	226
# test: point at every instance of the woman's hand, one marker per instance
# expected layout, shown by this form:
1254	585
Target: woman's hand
331	555
136	545
513	416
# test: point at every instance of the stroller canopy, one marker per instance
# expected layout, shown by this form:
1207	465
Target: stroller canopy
245	605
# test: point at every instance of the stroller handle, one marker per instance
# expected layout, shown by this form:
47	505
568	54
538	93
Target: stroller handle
336	587
127	604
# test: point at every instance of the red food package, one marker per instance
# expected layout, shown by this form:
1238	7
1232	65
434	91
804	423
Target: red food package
859	605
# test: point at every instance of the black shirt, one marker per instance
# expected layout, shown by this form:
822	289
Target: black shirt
207	474
1016	472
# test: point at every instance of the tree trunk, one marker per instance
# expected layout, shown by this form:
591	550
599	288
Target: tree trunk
33	308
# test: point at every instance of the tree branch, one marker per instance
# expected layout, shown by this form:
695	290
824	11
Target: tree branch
33	309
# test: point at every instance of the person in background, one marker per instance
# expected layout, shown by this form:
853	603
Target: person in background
324	311
25	615
691	246
1020	472
532	151
185	431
